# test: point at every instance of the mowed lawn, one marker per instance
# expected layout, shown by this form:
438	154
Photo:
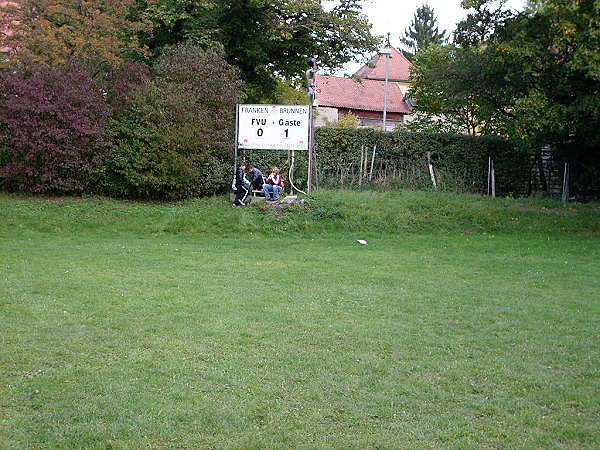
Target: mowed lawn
464	322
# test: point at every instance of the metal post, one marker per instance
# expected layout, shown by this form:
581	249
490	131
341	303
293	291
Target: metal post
290	173
385	94
311	76
235	142
311	149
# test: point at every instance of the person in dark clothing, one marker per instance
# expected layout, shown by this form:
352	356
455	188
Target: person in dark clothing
256	178
241	185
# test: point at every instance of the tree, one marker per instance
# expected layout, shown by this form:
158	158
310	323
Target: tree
456	105
266	40
478	27
177	21
52	133
423	31
101	33
533	77
172	138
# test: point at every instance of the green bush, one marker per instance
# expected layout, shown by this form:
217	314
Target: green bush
172	139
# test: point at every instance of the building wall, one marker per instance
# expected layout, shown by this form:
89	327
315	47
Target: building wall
403	85
325	115
375	118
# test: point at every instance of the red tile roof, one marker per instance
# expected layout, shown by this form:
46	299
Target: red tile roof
366	95
399	67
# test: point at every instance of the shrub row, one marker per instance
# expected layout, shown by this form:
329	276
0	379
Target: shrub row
165	133
162	133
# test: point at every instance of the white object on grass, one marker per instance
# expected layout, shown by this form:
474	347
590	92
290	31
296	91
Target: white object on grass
362	241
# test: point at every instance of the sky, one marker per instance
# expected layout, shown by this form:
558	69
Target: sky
394	16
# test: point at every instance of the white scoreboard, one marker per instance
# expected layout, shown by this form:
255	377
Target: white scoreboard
280	127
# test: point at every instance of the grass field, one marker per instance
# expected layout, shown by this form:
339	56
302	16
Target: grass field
465	322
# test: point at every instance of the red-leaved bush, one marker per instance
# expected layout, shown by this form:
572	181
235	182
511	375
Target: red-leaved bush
125	82
52	129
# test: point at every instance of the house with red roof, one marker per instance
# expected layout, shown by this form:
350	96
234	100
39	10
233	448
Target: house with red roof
363	94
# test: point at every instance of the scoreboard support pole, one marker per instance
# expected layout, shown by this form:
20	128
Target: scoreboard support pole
311	150
235	143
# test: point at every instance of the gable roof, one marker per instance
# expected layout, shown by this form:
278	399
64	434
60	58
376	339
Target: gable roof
366	95
399	67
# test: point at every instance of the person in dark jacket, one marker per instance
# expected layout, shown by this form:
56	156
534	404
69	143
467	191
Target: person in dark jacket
256	178
241	184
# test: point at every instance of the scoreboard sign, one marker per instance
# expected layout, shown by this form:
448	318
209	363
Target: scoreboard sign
280	127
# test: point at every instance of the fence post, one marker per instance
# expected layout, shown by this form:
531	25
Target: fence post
565	188
431	173
372	162
360	170
489	177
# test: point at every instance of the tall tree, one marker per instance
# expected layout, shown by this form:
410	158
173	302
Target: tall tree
176	21
479	26
423	31
265	39
442	88
101	33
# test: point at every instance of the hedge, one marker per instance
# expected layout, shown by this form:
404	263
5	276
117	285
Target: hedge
401	160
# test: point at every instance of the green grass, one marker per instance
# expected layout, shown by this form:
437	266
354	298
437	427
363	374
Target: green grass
465	322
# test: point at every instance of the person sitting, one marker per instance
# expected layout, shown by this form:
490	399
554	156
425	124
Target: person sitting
256	178
273	185
241	185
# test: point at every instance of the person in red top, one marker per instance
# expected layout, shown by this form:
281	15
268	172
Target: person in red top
273	185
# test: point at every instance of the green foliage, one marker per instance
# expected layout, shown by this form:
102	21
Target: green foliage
173	138
427	123
176	21
431	72
289	92
460	161
265	40
479	26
